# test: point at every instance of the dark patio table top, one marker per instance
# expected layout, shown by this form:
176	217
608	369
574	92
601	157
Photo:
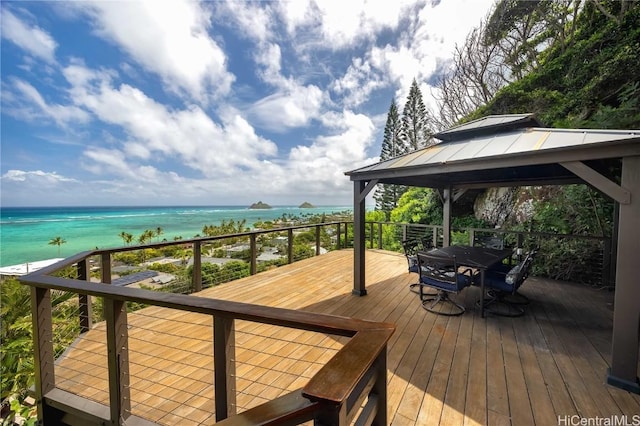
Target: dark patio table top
475	257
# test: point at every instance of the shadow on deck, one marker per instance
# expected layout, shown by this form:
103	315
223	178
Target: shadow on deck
547	365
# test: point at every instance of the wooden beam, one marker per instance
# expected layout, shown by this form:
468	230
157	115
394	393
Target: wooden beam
458	193
595	179
367	189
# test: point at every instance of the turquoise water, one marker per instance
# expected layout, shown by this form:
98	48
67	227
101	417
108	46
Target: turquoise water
25	232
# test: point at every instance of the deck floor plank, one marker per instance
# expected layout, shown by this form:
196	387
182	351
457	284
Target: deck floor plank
441	370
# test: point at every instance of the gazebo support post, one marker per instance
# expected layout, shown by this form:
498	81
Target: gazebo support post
446	217
626	317
360	191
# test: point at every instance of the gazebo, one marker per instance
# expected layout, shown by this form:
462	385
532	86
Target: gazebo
515	150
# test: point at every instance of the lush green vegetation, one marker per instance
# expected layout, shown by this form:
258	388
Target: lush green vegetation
575	65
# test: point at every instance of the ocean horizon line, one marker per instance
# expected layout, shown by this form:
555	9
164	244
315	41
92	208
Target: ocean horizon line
169	205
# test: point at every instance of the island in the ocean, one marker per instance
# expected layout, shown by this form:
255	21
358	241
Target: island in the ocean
306	205
260	205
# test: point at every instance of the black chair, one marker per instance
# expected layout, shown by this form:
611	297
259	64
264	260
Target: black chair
411	247
443	275
489	242
427	242
502	284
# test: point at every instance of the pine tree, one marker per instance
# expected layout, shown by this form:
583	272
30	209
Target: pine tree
416	132
387	196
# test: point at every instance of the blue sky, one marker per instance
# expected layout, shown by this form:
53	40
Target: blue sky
210	103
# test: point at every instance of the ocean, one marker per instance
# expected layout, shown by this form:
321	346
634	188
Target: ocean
25	232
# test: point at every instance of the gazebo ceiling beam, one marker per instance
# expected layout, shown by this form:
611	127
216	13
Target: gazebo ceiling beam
595	179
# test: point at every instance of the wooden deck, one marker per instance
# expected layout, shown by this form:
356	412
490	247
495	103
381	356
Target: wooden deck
442	370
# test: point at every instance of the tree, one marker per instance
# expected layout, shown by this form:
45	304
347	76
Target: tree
416	132
57	241
387	196
159	232
126	237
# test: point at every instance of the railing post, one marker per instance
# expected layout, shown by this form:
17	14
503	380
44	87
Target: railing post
290	245
371	233
339	236
435	236
472	237
380	235
105	268
224	367
253	267
84	301
380	388
42	348
404	232
318	240
115	314
335	415
196	278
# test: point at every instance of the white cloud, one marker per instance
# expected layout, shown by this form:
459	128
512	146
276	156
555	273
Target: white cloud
321	166
33	39
169	39
155	131
359	82
255	19
293	107
23	100
37	176
338	23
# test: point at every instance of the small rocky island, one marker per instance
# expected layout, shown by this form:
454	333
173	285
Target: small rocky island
259	205
306	205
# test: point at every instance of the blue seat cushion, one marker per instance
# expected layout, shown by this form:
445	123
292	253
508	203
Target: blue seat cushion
413	263
508	282
462	281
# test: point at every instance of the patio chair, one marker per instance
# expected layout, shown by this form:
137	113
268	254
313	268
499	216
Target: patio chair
489	242
445	277
427	242
411	247
502	284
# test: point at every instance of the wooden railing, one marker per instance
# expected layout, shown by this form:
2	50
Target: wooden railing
350	387
333	396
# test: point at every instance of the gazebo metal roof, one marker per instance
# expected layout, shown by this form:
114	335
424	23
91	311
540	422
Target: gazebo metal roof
509	155
515	150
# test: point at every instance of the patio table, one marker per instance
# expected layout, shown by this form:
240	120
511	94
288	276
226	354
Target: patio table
480	258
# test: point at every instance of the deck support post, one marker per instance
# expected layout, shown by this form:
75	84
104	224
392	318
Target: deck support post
290	245
253	266
115	314
626	316
196	280
84	300
317	240
380	389
224	358
43	349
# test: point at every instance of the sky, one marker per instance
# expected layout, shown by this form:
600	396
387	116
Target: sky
209	103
